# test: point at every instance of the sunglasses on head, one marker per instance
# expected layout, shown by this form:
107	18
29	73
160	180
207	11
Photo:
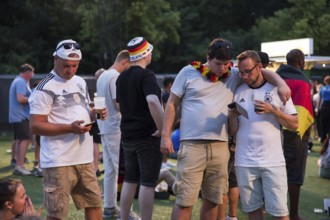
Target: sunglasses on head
68	46
223	44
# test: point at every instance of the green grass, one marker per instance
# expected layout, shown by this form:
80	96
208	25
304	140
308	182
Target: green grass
312	193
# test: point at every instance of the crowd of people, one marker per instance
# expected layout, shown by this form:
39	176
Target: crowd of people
222	123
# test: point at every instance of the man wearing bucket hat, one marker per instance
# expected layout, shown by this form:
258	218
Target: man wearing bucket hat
139	101
59	109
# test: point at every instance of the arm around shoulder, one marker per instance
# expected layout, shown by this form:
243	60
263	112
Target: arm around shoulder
273	78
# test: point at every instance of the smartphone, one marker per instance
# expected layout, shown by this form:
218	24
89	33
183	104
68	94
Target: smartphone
232	105
88	124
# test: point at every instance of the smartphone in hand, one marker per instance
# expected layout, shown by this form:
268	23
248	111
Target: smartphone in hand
88	124
232	105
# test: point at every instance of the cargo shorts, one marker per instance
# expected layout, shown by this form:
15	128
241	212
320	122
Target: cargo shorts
79	181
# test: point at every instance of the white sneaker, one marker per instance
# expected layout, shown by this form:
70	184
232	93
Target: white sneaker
170	164
231	218
21	171
165	167
132	216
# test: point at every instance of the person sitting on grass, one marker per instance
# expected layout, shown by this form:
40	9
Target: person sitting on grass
14	202
324	161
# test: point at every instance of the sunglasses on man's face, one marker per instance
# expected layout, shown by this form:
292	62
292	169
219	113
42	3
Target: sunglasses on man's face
68	46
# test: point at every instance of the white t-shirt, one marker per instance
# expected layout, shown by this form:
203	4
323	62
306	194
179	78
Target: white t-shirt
64	101
106	87
259	139
204	104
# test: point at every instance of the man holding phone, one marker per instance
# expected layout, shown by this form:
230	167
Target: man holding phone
59	107
259	159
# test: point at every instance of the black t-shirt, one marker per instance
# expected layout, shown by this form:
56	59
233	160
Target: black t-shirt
133	86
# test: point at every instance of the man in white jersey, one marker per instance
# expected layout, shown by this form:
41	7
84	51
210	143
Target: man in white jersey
59	111
204	91
259	159
110	131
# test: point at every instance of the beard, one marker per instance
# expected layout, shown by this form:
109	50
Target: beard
253	82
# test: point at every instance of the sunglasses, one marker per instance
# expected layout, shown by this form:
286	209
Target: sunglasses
223	44
248	71
68	46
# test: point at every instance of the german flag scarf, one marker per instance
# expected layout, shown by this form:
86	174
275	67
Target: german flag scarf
300	94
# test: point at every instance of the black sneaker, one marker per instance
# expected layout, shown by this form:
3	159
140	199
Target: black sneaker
13	162
98	173
37	172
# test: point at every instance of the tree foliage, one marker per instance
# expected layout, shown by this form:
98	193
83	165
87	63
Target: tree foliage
179	30
303	19
154	20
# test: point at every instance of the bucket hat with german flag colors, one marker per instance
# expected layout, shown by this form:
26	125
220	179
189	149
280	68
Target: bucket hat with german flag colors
139	48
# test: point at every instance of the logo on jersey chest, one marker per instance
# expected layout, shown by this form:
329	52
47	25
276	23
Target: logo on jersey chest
82	90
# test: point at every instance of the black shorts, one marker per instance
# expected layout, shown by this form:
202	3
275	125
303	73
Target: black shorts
22	130
95	133
231	171
97	139
37	140
295	153
142	161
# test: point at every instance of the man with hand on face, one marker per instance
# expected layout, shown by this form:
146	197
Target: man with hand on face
204	91
14	203
59	110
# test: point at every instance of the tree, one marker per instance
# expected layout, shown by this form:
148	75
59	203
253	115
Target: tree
22	24
202	21
103	25
303	19
179	30
157	22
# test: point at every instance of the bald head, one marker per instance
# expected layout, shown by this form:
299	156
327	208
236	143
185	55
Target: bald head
296	58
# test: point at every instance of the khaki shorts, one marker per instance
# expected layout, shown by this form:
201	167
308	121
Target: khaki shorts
79	181
201	165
